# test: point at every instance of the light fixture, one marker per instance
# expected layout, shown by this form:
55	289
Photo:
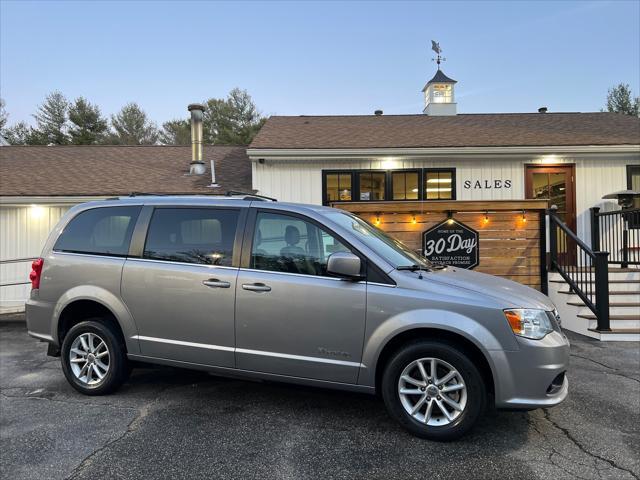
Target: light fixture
389	163
414	190
524	216
377	221
450	220
414	220
36	211
486	217
439	180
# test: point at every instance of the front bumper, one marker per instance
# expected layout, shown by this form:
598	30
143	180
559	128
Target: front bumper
535	376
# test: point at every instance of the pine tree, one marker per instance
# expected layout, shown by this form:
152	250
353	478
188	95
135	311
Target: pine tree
132	127
232	121
176	132
87	127
51	119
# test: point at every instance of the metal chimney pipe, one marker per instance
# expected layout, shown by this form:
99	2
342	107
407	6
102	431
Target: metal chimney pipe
197	164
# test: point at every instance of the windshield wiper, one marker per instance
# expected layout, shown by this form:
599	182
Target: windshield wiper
414	268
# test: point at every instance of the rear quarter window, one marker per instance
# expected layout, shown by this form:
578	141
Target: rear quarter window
99	231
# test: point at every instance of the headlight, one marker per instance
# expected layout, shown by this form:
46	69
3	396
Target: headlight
529	323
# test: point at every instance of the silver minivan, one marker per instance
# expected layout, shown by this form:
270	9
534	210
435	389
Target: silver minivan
295	293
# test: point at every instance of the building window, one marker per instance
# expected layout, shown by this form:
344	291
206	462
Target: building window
405	185
338	187
439	185
380	185
442	93
372	186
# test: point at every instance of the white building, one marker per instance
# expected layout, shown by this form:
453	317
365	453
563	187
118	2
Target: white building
572	159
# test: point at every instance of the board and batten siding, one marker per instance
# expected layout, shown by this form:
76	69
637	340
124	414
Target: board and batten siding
23	232
301	180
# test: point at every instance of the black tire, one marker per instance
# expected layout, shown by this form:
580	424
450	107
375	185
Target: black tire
119	368
476	395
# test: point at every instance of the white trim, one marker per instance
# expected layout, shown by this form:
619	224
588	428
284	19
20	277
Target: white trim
183	344
248	352
37	200
320	153
300	357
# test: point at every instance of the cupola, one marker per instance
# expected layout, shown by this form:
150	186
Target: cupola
439	92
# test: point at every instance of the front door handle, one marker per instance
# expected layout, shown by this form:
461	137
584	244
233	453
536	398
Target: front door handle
215	283
256	287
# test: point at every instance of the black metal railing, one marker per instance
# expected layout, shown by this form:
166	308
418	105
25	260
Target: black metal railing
618	233
586	271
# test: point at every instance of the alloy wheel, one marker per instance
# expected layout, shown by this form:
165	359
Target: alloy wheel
432	391
89	358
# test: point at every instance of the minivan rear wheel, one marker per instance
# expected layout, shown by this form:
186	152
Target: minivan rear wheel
93	358
433	390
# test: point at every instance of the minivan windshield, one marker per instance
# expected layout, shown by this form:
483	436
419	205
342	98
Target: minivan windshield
393	251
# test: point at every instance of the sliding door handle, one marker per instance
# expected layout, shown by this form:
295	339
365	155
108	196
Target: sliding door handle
256	287
215	283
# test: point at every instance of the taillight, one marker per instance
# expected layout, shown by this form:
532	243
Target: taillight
36	271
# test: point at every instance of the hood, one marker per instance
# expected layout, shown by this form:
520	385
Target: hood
510	294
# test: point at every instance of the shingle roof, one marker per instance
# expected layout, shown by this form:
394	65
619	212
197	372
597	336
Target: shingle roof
441	77
118	170
464	130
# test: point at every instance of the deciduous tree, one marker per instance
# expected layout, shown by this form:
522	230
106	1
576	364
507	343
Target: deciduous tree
620	100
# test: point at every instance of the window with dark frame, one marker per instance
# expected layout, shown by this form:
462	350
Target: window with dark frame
382	185
338	187
372	185
438	185
405	185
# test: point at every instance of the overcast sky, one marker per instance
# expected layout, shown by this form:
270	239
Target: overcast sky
317	58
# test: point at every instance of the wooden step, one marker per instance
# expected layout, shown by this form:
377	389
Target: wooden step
591	316
617	331
611	304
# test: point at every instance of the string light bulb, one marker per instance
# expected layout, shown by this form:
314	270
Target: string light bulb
414	220
377	222
524	217
486	217
450	220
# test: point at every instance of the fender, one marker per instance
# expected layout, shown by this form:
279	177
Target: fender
107	300
449	321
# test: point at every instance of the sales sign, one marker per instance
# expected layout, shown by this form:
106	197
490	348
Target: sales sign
451	243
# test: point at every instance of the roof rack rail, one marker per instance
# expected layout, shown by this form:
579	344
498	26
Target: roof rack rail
250	196
146	194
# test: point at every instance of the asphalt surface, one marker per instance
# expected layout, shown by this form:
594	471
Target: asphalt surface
172	423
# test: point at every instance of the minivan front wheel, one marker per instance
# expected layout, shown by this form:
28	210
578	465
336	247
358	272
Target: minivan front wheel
433	390
93	358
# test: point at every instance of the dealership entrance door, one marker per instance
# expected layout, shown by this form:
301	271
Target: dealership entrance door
555	184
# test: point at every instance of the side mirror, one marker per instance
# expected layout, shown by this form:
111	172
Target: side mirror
345	265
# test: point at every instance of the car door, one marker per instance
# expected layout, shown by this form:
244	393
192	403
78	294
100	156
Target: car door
291	317
181	292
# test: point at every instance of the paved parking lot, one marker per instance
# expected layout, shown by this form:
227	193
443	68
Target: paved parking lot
171	423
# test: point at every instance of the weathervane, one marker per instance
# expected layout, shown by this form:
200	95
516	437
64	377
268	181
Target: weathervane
435	46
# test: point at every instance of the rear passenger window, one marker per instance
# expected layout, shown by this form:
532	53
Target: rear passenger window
99	231
192	235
